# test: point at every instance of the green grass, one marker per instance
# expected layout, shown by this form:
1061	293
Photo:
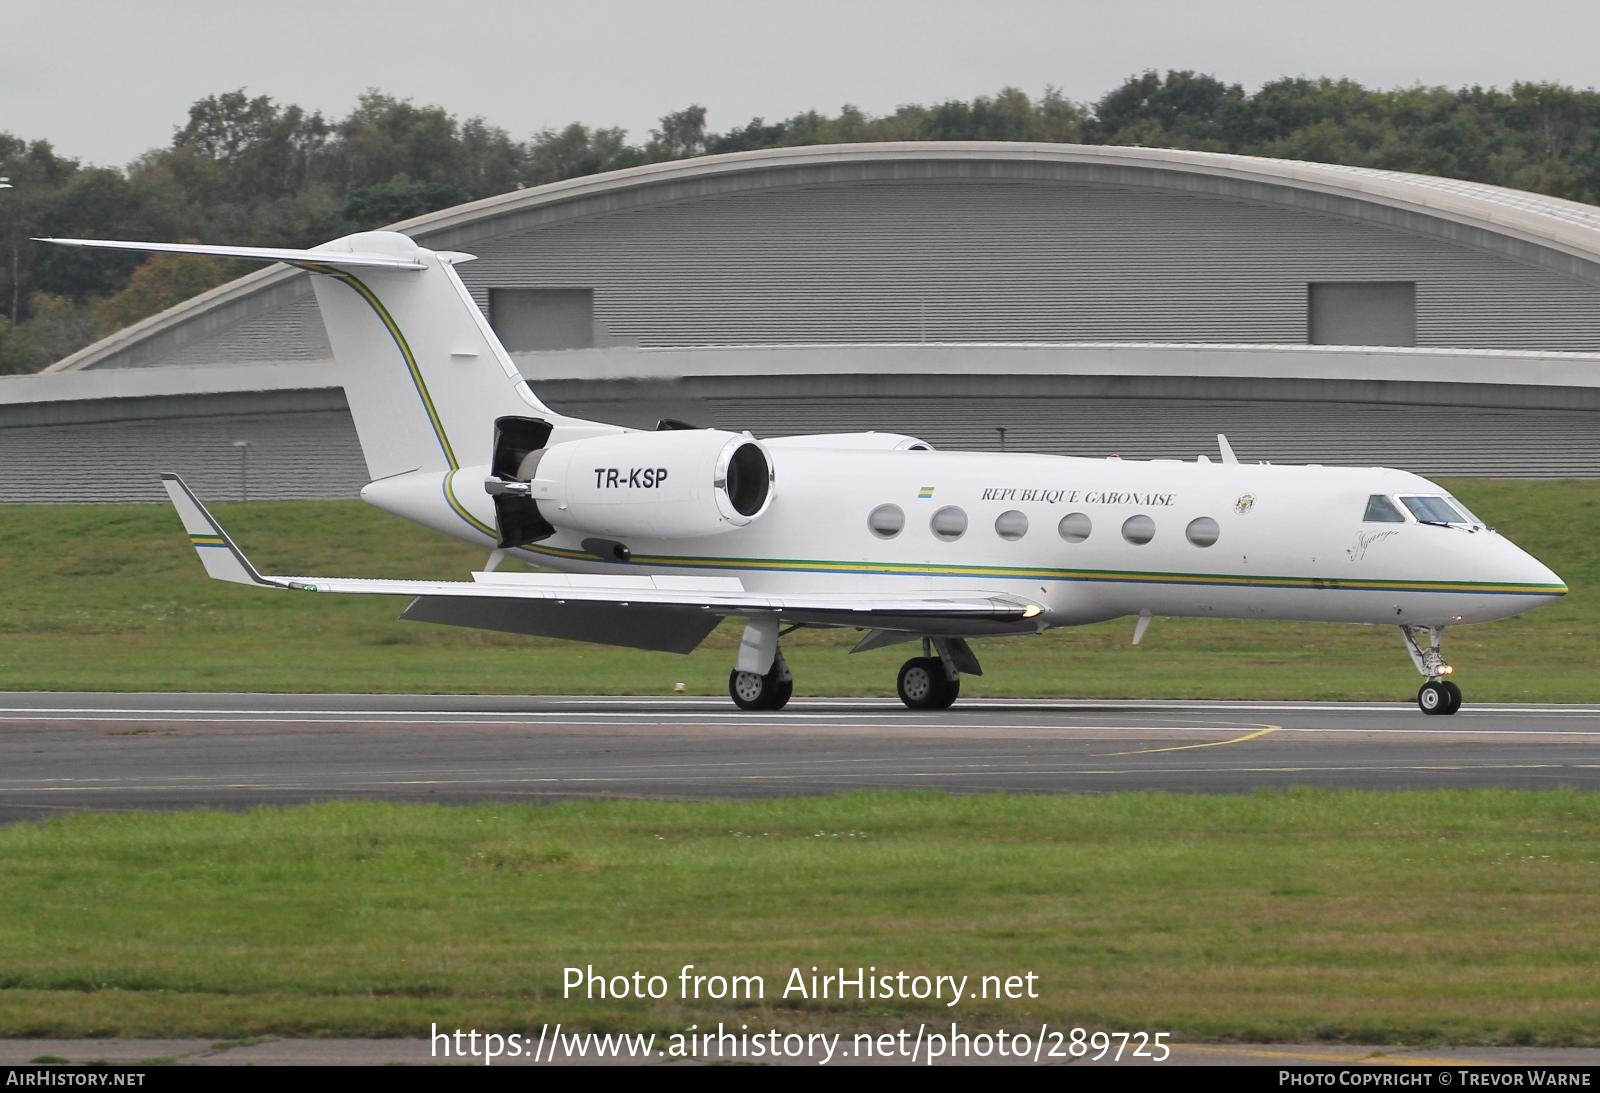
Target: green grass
111	597
1464	917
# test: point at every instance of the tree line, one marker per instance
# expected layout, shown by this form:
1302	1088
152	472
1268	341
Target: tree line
248	169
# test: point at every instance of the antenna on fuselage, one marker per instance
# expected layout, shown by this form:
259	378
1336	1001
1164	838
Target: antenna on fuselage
1226	449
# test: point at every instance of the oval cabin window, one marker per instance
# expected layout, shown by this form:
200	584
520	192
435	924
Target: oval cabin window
949	523
1203	531
886	521
1011	525
1138	530
1075	527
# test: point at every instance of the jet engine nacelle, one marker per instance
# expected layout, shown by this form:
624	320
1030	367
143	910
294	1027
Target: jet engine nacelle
666	485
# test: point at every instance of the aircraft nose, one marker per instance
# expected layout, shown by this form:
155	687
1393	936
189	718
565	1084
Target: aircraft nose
1536	578
1511	581
1558	587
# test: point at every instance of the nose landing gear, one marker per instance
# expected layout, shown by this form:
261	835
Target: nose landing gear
1438	695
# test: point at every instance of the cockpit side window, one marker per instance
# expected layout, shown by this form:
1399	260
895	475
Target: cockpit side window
1381	510
1433	510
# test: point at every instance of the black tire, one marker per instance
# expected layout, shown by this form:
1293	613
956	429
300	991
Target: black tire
781	693
1432	698
1453	694
923	686
750	691
952	691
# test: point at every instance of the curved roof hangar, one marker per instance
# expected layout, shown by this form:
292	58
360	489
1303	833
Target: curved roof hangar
956	197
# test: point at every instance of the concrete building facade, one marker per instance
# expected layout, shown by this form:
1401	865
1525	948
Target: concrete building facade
1056	298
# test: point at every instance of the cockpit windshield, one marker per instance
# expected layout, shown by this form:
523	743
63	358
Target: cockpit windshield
1435	510
1463	510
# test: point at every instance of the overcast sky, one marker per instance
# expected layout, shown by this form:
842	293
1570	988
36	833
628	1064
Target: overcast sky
105	81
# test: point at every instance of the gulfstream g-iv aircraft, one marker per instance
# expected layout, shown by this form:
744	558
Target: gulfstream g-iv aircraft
657	536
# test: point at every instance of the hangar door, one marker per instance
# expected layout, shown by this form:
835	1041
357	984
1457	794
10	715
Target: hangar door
529	319
1363	313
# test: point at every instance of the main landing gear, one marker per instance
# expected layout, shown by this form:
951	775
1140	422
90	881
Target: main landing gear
769	690
924	686
1438	695
933	680
761	679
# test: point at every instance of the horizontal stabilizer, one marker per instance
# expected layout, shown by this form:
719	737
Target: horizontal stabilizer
337	258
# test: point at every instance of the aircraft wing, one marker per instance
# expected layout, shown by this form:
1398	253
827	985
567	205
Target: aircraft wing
666	612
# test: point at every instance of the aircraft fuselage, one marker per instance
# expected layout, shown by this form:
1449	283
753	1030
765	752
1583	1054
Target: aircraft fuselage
1092	539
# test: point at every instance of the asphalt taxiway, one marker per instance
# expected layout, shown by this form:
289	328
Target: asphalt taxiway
157	751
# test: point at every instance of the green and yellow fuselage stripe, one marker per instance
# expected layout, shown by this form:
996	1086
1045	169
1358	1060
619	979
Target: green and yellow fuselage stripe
461	510
417	382
1091	576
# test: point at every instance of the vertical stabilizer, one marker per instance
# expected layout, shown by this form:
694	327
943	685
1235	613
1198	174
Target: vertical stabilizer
425	376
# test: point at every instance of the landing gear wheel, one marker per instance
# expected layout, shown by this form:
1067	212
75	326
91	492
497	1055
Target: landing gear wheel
1438	695
753	691
924	686
1434	697
1453	693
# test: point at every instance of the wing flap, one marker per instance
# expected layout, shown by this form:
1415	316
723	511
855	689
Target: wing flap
635	626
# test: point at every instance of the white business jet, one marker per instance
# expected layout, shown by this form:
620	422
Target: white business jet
657	536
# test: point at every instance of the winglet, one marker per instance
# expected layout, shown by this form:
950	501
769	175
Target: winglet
1226	449
223	560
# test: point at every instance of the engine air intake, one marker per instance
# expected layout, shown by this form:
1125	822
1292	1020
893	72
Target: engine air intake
748	480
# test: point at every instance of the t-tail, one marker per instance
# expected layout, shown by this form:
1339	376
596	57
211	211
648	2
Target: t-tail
425	376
